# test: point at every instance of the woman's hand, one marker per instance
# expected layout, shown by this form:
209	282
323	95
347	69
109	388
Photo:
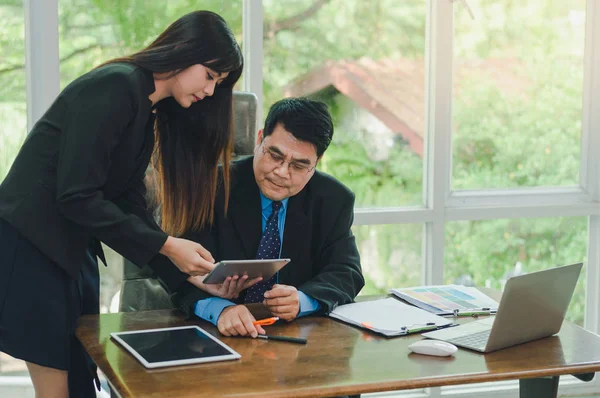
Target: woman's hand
229	289
190	257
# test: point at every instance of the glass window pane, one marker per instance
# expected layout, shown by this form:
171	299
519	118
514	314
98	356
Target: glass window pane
13	110
94	31
390	256
13	117
518	93
365	60
486	253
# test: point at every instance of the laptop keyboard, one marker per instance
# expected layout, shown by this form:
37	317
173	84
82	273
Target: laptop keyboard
476	340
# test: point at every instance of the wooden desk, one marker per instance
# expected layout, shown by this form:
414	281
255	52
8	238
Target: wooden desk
338	360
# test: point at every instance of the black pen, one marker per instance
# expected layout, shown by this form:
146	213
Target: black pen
297	340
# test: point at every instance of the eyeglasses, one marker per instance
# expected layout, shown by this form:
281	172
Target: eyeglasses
294	167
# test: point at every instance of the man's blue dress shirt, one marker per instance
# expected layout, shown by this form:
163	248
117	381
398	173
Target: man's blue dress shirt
210	309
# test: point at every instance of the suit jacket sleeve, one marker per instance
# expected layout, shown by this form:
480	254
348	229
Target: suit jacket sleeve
97	116
133	201
339	276
183	294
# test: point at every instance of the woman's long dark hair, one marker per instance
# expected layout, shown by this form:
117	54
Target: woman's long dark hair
191	142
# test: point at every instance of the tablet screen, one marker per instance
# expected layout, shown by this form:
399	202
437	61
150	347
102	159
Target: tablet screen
174	346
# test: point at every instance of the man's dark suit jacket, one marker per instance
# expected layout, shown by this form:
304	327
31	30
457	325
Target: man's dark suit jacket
317	238
80	172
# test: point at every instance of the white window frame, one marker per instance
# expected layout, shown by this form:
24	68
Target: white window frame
41	57
441	204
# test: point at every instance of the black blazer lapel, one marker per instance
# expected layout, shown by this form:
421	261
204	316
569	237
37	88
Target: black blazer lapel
245	210
295	232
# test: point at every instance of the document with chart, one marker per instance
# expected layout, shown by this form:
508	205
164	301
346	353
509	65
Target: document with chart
445	299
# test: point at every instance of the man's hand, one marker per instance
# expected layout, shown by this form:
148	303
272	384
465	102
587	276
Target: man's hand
283	301
229	289
237	321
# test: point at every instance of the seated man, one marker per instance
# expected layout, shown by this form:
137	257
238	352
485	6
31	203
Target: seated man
281	206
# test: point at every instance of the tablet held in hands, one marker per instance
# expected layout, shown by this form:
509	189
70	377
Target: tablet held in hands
252	268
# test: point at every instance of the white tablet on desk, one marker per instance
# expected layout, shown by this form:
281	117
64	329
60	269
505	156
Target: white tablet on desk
183	345
252	268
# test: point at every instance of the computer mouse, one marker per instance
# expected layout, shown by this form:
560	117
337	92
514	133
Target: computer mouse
433	347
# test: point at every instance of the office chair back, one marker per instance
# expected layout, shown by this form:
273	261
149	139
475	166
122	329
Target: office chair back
140	290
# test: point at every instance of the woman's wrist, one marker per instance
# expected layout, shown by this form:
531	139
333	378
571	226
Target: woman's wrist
167	248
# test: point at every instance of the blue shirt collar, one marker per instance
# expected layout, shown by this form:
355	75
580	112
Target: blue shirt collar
265	203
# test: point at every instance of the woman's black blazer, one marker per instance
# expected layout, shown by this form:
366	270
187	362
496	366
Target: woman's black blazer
79	173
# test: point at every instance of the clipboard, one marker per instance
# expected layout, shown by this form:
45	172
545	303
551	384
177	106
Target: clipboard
389	317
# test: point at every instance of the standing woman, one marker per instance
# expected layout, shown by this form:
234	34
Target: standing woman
78	180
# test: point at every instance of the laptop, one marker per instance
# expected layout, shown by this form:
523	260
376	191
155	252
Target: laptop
533	306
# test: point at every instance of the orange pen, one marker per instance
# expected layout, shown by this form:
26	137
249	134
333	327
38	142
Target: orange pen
266	321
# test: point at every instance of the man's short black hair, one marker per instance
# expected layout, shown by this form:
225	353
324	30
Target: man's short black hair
306	119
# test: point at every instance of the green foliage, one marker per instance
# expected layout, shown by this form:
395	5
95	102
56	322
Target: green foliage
12	48
386	183
341	29
94	31
12	82
390	256
531	140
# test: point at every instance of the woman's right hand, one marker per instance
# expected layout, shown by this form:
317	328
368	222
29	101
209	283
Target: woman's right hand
190	257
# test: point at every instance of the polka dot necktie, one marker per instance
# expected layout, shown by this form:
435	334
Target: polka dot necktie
269	247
